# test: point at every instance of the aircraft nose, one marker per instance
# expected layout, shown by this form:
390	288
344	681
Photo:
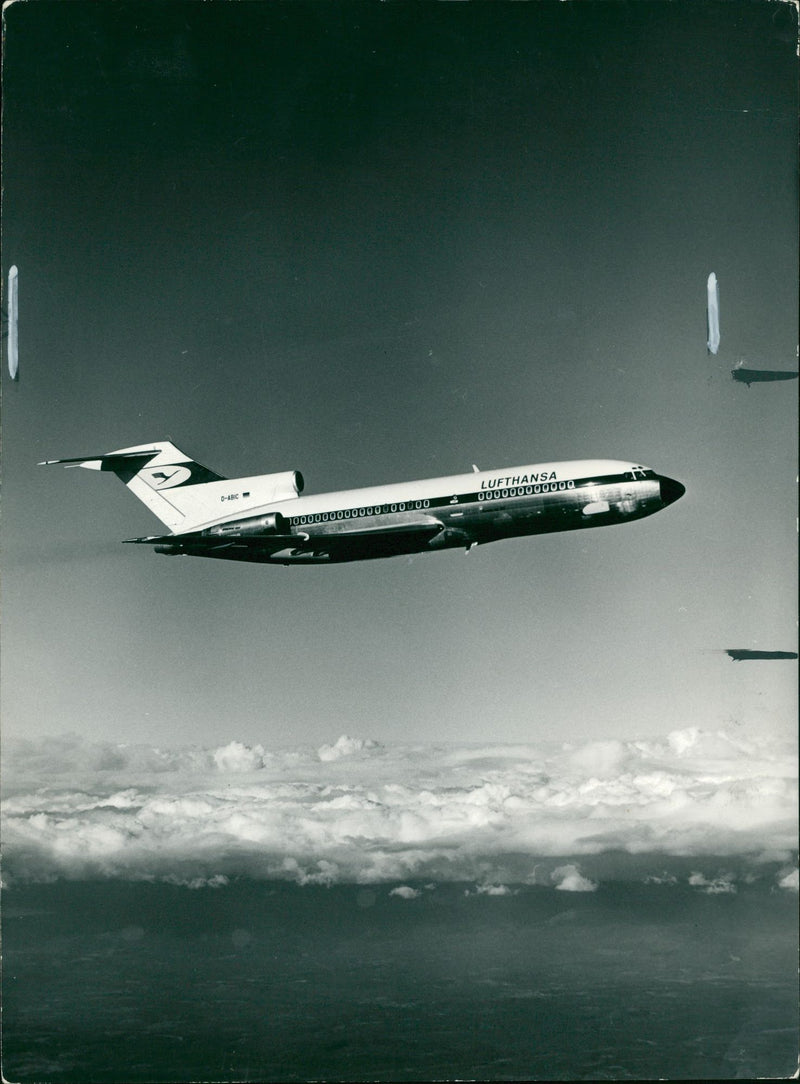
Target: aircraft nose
671	490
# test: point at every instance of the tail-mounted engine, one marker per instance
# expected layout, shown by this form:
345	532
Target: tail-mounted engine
271	523
284	485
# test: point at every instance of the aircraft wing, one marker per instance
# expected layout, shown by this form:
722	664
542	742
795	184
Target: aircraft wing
365	542
428	528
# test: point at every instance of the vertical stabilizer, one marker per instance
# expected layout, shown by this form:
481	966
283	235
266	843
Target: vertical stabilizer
172	485
184	495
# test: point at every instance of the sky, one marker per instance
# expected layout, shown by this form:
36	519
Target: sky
376	242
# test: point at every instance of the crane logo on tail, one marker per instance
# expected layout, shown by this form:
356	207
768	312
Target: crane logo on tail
166	477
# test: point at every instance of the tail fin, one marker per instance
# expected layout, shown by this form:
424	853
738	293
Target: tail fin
173	486
184	495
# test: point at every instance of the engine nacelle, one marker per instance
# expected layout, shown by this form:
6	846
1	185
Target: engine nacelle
284	486
271	523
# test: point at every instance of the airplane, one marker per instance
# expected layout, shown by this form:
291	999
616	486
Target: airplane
264	518
760	376
742	654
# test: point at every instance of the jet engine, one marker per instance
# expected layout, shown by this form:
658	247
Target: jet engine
271	523
285	485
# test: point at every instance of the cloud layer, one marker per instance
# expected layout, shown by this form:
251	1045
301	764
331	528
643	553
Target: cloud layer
360	812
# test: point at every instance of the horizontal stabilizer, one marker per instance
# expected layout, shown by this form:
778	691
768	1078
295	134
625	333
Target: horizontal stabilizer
151	539
110	461
206	541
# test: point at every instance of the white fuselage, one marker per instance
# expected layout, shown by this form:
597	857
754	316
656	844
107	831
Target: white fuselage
263	518
436	513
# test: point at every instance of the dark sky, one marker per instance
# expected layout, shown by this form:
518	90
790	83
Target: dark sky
378	241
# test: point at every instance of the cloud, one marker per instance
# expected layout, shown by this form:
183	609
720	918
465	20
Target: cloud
600	759
405	892
491	890
346	747
694	742
565	816
218	881
237	757
712	888
570	879
790	881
